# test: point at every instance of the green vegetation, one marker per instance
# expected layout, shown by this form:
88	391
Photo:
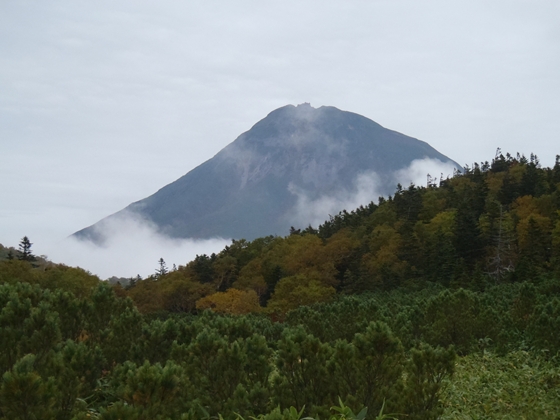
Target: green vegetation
516	386
498	223
440	302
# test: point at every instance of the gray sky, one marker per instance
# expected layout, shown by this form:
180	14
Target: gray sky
104	102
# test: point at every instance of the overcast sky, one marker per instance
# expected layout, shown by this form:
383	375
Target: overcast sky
104	102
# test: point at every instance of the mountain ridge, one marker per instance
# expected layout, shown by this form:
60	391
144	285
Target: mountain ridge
251	187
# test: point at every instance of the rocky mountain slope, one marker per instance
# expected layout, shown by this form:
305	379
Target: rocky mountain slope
292	168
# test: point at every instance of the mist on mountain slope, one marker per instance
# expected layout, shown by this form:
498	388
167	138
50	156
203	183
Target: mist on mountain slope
134	245
366	187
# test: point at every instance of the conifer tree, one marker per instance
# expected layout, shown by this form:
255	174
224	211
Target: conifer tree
501	259
25	250
24	394
162	269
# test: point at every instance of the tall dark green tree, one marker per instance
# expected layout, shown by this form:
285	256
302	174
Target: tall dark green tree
556	170
467	234
502	241
532	182
202	265
25	250
162	269
302	378
440	258
368	371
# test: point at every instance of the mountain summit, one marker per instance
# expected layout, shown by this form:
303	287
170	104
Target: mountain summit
292	168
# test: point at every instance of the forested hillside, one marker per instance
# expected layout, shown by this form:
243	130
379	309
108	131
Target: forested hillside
496	223
437	302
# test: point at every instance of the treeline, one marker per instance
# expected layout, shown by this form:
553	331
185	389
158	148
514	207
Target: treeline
496	223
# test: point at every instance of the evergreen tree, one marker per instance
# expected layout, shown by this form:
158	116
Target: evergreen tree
467	234
24	394
162	269
501	258
25	250
532	179
294	231
556	170
203	266
427	369
302	378
368	371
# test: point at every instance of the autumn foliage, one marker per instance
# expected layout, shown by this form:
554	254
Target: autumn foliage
377	307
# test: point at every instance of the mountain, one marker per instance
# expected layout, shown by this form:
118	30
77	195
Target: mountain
292	168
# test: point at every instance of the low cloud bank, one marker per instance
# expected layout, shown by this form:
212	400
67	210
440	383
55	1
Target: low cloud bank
133	246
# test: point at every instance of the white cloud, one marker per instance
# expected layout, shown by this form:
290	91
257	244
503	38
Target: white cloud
366	188
132	246
418	170
314	212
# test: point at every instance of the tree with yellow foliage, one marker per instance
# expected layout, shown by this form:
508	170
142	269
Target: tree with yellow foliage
294	291
233	302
